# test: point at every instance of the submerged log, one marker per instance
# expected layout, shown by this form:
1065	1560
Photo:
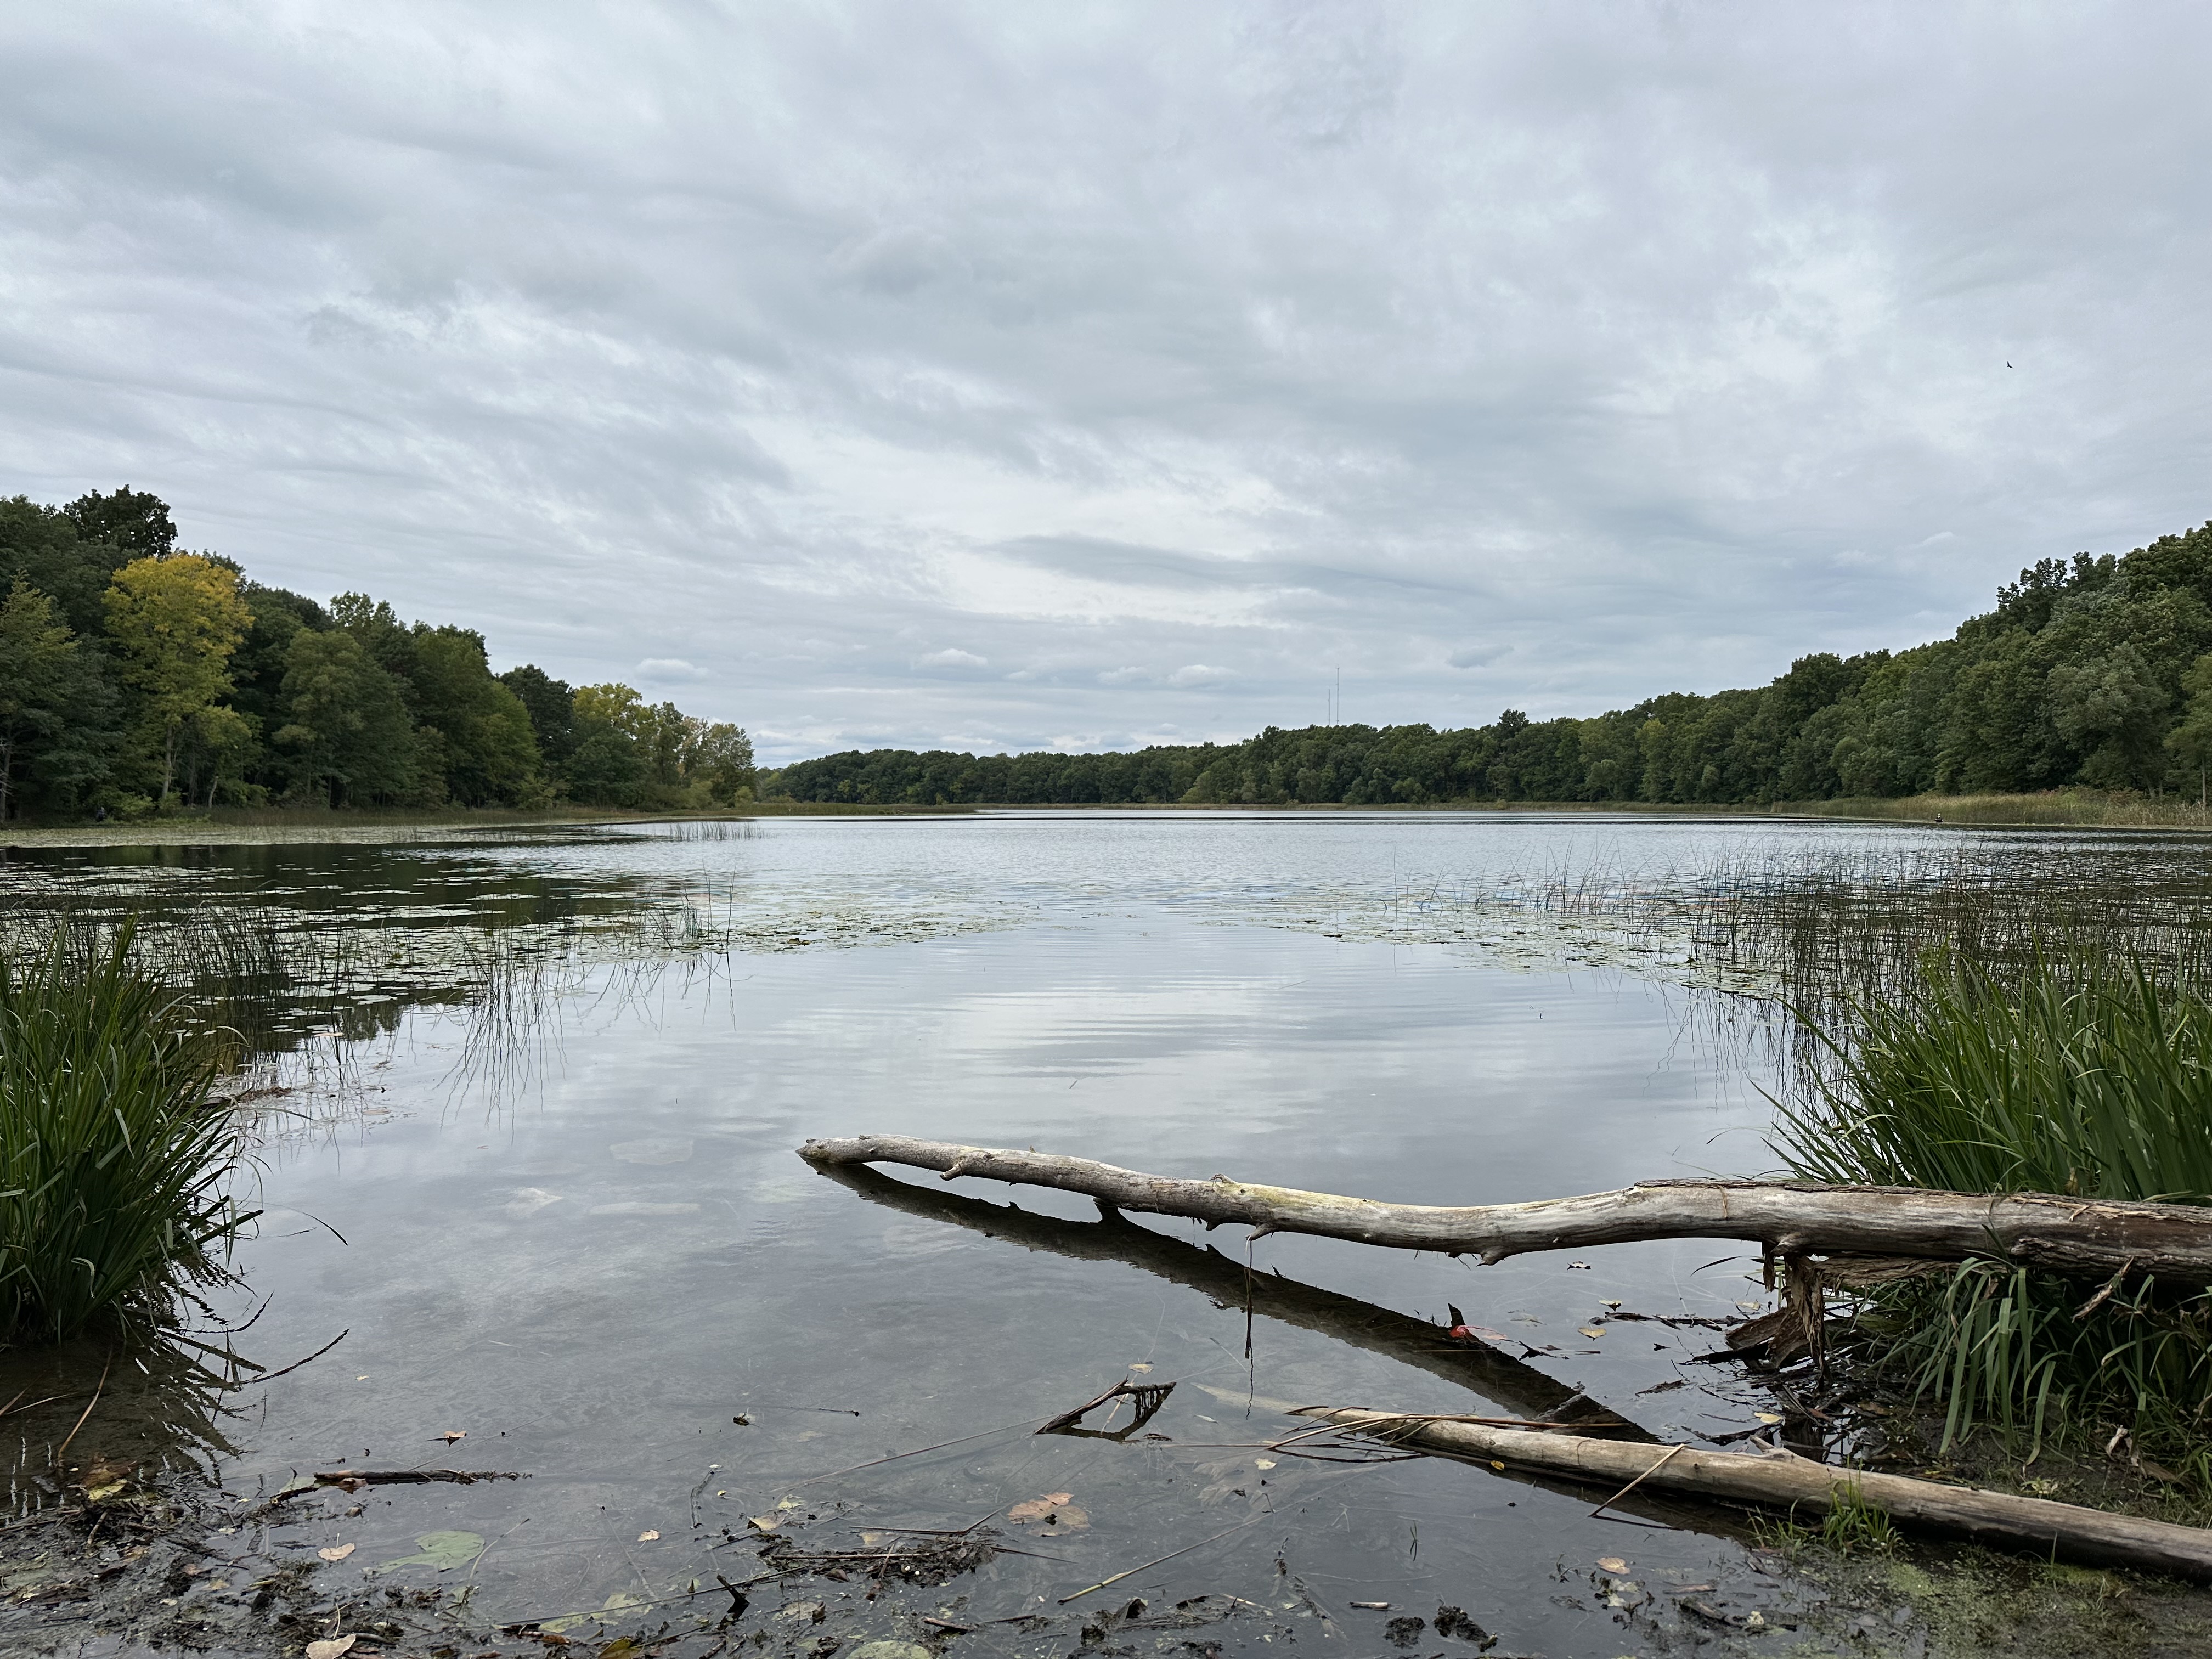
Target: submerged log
1782	1480
2090	1237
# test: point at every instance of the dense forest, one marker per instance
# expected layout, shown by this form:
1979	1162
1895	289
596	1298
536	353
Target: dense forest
2096	673
135	676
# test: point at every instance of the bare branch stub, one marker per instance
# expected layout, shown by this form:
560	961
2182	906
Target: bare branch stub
1149	1396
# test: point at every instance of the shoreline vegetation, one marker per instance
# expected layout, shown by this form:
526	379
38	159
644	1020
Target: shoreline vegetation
2069	809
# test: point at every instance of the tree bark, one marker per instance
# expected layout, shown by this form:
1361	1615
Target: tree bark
1782	1480
2090	1237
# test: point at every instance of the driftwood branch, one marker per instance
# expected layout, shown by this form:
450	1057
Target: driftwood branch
2091	1237
1782	1480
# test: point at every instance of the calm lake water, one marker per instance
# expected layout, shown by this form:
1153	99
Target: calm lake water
548	1190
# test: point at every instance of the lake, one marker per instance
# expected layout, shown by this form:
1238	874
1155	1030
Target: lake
534	1158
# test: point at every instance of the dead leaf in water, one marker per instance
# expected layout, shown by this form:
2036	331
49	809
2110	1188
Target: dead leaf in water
1612	1563
1141	1366
648	1537
335	1647
1591	1330
444	1551
451	1435
1263	1462
765	1523
1055	1508
338	1552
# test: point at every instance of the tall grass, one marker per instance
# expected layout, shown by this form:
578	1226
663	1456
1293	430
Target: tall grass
2085	1078
2083	1074
116	1166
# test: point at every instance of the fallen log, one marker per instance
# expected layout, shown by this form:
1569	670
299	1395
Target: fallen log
1782	1480
2088	1237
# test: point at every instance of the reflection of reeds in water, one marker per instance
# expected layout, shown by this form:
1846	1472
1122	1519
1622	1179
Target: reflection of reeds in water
121	1407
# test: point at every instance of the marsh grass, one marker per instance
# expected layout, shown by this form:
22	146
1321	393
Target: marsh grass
116	1166
2082	1076
2084	1073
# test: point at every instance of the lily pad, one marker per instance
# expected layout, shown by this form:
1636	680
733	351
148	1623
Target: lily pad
442	1550
620	1601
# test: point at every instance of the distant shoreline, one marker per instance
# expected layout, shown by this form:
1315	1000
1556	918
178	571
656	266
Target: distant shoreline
248	826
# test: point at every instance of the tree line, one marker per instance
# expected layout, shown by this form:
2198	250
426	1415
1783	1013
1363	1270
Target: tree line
137	677
2096	671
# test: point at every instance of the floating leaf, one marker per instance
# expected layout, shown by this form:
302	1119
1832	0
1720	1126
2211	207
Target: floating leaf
1054	1509
1263	1462
1591	1330
337	1552
1584	1266
334	1647
1612	1563
619	1602
1141	1366
1768	1417
443	1551
765	1523
100	1494
648	1537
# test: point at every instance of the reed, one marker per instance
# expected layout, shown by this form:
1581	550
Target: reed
2087	1073
116	1166
2084	1077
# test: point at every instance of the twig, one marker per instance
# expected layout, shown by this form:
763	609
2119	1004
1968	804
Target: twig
1157	1559
270	1376
99	1389
1656	1465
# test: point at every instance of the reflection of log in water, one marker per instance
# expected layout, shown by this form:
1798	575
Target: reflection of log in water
1520	1389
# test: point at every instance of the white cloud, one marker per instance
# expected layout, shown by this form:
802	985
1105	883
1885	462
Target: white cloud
951	657
669	670
1199	674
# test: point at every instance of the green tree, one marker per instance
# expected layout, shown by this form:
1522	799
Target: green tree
38	674
485	749
552	705
137	525
347	737
175	621
2190	742
718	758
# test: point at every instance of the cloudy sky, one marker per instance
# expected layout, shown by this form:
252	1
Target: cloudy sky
1002	376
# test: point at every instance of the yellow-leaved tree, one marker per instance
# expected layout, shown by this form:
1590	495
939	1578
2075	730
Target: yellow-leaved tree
174	622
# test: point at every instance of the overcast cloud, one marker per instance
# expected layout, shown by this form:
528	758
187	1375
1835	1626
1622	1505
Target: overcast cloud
1002	376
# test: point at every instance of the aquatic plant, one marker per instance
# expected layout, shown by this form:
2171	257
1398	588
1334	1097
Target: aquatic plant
2081	1076
116	1164
2080	1073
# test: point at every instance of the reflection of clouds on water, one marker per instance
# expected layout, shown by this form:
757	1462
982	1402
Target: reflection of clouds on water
529	1200
628	1208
